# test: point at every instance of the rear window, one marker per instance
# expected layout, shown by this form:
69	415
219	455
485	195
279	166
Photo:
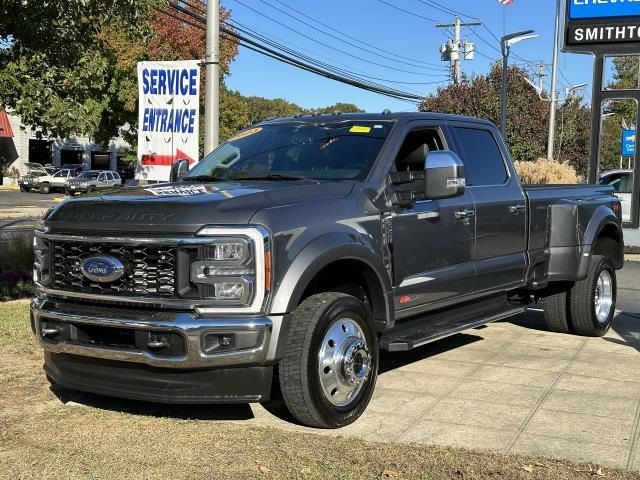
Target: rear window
483	162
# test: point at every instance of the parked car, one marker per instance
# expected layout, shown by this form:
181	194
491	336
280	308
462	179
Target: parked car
622	182
302	247
52	182
74	167
34	171
91	180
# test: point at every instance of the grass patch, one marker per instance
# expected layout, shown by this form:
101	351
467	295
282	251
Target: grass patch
101	438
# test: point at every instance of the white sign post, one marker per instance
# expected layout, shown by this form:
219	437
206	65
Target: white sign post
169	94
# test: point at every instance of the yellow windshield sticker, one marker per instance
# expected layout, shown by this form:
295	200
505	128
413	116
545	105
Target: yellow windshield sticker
360	129
246	133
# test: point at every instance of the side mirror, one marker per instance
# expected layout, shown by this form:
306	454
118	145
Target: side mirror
444	175
179	169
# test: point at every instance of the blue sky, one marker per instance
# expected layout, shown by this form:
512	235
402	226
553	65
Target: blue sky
397	32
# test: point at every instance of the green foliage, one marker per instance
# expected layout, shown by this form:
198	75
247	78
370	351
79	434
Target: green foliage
62	69
527	115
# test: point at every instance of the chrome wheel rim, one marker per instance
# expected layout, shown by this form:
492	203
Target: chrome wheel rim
344	362
603	296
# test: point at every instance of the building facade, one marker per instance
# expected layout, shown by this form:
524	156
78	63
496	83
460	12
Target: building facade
22	144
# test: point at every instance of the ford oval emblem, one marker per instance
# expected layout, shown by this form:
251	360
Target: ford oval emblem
102	269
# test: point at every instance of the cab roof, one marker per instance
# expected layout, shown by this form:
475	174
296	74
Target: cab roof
376	117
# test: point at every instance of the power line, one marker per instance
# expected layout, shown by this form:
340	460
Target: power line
360	41
408	12
255	46
330	46
442	8
282	47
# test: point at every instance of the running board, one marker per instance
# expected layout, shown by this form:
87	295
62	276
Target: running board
430	329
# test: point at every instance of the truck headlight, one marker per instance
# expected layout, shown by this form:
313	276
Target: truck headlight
234	267
40	261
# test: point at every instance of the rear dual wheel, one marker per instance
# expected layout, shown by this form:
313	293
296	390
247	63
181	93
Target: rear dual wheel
330	366
588	307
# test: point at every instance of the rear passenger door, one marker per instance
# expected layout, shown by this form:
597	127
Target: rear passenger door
500	204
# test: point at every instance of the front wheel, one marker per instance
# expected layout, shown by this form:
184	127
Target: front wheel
45	188
330	366
592	301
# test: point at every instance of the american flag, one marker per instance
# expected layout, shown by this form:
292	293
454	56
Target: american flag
505	2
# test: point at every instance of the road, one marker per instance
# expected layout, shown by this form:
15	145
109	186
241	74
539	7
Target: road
15	204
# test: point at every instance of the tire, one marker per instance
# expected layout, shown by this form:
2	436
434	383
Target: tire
90	189
69	193
45	188
587	319
556	313
22	189
322	324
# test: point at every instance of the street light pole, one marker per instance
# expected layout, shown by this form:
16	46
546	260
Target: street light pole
503	95
554	81
212	85
505	43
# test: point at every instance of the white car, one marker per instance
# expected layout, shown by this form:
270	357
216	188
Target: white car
622	182
52	182
93	180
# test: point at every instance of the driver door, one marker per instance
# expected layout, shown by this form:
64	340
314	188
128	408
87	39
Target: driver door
432	240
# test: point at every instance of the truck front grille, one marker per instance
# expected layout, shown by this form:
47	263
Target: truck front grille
150	270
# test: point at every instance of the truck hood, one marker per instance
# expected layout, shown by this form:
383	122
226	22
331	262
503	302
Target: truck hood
183	208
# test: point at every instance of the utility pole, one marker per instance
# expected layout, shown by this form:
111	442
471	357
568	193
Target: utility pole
541	74
212	86
554	81
455	48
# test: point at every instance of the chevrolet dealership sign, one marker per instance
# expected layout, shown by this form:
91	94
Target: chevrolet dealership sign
601	23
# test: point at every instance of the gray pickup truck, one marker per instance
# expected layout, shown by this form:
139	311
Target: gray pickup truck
285	261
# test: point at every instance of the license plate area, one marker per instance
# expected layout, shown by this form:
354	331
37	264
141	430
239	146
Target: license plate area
157	343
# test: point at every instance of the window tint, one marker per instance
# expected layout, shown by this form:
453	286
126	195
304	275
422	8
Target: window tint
116	176
415	147
483	163
614	181
109	176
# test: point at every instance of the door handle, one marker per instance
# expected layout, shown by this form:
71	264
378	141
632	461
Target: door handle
463	214
516	209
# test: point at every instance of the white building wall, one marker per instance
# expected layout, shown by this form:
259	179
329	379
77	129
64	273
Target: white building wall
22	135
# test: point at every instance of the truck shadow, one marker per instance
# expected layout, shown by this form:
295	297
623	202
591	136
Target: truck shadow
134	407
624	331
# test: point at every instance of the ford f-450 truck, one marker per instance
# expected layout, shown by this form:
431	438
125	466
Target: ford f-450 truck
285	261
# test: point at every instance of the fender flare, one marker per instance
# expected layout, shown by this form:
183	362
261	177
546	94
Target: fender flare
318	254
602	217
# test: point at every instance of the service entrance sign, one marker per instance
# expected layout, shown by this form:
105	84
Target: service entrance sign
601	22
169	95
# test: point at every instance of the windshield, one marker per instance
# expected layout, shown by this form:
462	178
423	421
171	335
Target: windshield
88	175
341	150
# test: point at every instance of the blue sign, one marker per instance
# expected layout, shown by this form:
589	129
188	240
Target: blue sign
590	9
628	143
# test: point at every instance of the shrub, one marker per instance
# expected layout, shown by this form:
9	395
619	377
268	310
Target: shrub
545	171
16	263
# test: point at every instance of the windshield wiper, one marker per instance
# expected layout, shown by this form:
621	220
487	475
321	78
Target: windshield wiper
276	176
203	178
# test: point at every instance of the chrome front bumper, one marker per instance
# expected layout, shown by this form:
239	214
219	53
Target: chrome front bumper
188	324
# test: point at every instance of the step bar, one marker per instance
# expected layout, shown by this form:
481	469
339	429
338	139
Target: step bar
415	333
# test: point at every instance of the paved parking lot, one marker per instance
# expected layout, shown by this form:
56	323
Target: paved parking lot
513	386
16	204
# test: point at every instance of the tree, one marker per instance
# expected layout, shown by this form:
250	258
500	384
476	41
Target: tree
341	107
527	114
62	69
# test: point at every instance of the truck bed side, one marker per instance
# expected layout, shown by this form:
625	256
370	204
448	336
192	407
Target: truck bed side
564	223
